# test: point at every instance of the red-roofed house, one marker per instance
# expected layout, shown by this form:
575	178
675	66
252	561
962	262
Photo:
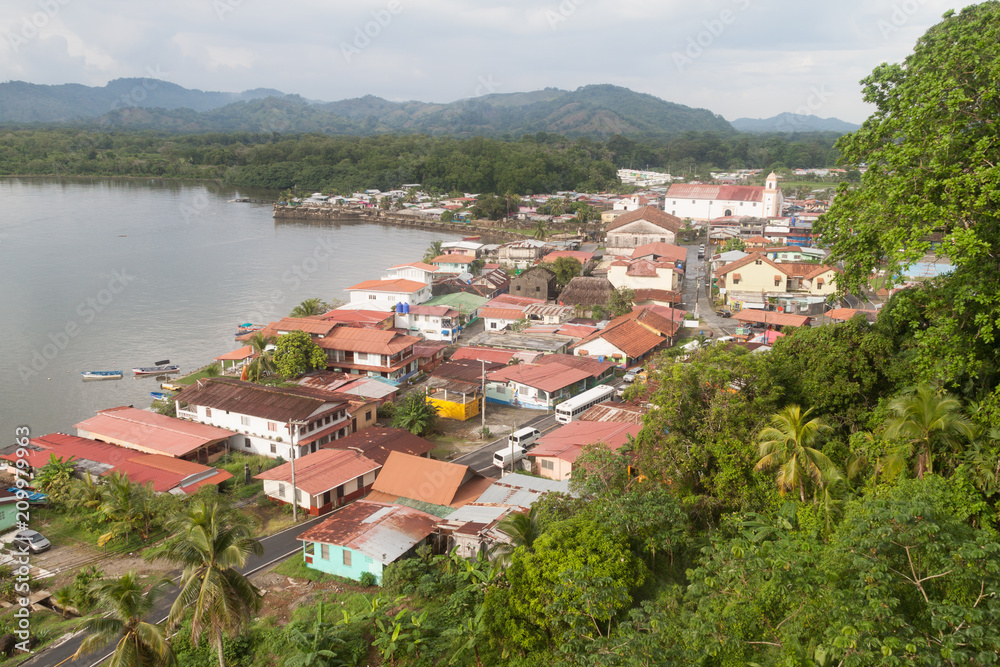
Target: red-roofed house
555	452
237	358
707	202
536	386
660	251
361	319
324	480
648	224
495	319
489	354
629	338
644	274
419	271
386	294
153	433
387	354
756	275
453	263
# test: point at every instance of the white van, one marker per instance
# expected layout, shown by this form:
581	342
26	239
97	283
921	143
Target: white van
524	437
502	457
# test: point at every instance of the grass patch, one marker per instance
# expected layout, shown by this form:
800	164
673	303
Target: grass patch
296	568
46	625
194	377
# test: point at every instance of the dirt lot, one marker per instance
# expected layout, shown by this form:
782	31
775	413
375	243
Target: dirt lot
283	594
457	437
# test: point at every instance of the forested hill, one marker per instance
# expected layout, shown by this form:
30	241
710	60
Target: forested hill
598	111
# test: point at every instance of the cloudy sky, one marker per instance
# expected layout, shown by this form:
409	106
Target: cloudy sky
738	58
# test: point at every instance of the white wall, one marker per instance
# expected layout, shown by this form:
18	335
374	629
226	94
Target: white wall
386	300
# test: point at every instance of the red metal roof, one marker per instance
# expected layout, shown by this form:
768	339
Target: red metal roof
508	300
579	255
322	470
567	442
377	442
276	403
245	352
359	318
151	431
716	192
312	326
501	313
374	341
394	285
671	252
488	354
766	317
548	377
453	259
417	265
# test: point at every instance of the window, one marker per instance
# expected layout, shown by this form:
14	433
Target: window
274	448
777	282
372	297
548	464
298	495
271	426
675	202
281	490
693	201
208	412
245	420
758	262
368	415
246	442
736	281
347	558
324	551
537	288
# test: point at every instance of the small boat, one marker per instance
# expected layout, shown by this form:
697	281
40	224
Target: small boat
160	395
102	375
156	370
244	329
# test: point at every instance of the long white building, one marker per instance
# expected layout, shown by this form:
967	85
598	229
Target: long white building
707	202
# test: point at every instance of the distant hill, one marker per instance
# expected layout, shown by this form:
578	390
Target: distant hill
22	102
596	111
793	122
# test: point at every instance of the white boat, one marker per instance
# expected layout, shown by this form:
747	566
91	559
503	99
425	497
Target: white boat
102	375
156	370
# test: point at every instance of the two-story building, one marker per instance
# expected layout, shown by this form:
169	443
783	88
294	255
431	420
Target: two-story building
637	228
270	421
521	254
454	263
430	322
386	354
538	282
638	274
416	271
321	481
755	278
387	294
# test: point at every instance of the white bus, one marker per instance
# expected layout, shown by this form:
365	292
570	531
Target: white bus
572	408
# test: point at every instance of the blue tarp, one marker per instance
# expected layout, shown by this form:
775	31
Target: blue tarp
29	495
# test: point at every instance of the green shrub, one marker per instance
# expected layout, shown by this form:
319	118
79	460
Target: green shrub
368	579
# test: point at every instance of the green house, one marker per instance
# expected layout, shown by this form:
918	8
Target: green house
364	537
8	511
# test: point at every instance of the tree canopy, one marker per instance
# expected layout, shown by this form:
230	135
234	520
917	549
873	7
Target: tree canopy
297	353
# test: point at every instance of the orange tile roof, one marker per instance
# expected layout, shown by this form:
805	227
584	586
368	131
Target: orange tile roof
322	470
395	285
633	339
672	252
152	431
547	377
453	259
767	317
417	265
311	325
426	480
376	341
501	313
652	214
245	352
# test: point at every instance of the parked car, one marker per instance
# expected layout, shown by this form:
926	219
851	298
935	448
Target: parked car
31	540
631	374
724	313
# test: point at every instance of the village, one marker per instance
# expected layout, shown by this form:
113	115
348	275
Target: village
444	395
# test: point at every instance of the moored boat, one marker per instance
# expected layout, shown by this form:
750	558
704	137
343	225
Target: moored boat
160	395
102	375
156	370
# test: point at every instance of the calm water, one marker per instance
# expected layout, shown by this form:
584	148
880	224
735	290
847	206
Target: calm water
106	275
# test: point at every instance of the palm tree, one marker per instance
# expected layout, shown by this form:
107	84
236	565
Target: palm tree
118	507
212	371
787	443
926	421
87	493
521	528
211	545
415	414
540	231
433	250
54	477
262	363
308	308
125	605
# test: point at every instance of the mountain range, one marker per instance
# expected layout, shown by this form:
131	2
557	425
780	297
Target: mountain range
597	111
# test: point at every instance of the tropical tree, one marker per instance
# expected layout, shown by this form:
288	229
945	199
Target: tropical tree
788	444
87	493
262	363
541	231
210	545
566	268
309	307
297	353
415	414
733	244
433	250
621	301
522	529
315	648
126	604
55	476
926	422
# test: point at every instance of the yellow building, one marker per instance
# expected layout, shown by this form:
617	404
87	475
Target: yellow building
755	274
453	399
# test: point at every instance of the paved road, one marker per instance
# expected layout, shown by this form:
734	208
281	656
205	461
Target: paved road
697	290
276	547
481	460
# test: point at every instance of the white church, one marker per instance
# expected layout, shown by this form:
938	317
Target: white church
707	202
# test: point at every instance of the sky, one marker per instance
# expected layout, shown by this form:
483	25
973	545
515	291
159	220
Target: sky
737	58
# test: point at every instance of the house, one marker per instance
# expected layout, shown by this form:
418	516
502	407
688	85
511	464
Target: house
636	228
521	254
467	304
455	388
429	355
530	344
323	480
600	371
661	252
385	295
555	452
492	282
586	259
473	248
705	202
487	354
8	510
416	271
473	529
377	442
587	292
548	313
495	319
434	486
365	537
354	387
657	297
536	386
537	282
361	319
430	322
270	421
629	338
387	354
166	474
755	277
454	263
152	433
314	326
645	274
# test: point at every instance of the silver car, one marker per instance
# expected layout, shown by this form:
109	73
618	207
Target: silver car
31	540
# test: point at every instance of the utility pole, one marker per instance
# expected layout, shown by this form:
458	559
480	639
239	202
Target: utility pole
294	436
482	410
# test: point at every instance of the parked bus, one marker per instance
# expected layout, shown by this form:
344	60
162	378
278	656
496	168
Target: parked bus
572	408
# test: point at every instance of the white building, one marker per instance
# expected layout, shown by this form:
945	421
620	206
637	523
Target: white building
640	227
707	202
386	294
430	322
273	421
417	271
